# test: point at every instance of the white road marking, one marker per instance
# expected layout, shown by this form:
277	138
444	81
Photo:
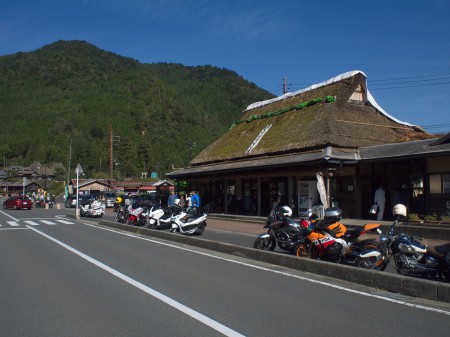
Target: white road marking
184	309
48	222
32	223
13	223
331	285
65	222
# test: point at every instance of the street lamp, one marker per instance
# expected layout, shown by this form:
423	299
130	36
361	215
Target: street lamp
78	171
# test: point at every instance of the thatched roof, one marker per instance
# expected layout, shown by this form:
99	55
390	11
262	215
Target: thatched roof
349	119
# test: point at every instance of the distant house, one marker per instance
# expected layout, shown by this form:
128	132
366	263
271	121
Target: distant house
10	188
89	186
335	128
39	171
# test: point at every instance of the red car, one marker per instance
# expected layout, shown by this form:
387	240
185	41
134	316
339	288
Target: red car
17	203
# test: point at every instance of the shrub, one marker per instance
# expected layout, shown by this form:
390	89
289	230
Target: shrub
413	217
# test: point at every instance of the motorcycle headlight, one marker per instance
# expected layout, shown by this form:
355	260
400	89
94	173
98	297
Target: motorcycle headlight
383	238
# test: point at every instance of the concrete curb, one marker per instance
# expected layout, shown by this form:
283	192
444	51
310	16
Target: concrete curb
432	290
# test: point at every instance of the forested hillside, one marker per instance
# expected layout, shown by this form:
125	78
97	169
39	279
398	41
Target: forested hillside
73	91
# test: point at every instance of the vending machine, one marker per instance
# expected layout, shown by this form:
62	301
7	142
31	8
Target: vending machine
308	196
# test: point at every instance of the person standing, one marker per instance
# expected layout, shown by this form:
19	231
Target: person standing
275	198
195	202
187	200
171	200
380	200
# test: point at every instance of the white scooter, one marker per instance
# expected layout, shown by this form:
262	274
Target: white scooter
92	210
187	223
159	217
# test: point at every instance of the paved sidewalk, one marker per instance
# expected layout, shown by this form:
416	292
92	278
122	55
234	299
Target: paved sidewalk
255	225
236	226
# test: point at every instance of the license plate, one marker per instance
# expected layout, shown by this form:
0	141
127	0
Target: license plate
25	203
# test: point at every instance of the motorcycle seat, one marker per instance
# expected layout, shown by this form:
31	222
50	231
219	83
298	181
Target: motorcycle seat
439	251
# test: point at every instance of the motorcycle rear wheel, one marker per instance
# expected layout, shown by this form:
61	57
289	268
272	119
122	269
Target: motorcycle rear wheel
200	229
265	243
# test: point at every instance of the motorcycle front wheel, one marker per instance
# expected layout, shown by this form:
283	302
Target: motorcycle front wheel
370	263
267	243
302	250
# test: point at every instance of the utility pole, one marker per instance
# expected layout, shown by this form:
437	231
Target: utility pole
70	158
111	156
113	140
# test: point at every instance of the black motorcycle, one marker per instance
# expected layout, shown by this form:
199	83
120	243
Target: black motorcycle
121	214
281	230
412	256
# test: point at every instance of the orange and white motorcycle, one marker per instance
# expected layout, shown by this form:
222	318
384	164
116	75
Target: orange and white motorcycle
330	240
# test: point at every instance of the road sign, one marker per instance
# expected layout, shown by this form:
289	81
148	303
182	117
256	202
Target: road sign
79	170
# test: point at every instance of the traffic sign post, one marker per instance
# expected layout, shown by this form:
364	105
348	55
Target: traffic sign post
78	171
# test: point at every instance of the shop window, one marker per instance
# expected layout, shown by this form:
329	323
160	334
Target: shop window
440	183
446	183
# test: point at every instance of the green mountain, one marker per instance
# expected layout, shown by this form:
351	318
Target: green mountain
72	91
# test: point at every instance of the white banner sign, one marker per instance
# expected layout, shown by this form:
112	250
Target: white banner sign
322	190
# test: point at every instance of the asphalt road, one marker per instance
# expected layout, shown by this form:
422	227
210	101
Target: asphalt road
65	277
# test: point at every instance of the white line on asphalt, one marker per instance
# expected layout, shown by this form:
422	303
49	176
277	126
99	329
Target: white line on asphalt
9	216
12	228
186	310
65	222
13	223
331	285
48	222
32	223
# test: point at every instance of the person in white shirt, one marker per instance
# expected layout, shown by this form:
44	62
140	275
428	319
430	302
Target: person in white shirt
380	200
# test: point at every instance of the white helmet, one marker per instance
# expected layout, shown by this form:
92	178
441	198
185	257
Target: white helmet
286	211
399	209
177	202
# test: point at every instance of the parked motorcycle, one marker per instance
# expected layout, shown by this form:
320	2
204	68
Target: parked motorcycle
159	217
121	214
137	215
39	203
94	209
330	240
281	229
411	255
186	222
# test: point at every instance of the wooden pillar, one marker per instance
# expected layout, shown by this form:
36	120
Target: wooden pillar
259	197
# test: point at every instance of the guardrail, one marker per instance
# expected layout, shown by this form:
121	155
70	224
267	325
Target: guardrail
432	290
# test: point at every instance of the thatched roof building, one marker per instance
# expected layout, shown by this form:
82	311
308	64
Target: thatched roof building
335	129
340	113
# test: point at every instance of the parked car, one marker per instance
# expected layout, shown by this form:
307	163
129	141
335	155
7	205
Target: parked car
86	199
71	201
110	197
17	202
150	199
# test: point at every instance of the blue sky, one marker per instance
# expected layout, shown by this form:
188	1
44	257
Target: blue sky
403	46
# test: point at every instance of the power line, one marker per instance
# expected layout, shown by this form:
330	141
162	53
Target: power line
409	77
411	86
412	81
397	80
